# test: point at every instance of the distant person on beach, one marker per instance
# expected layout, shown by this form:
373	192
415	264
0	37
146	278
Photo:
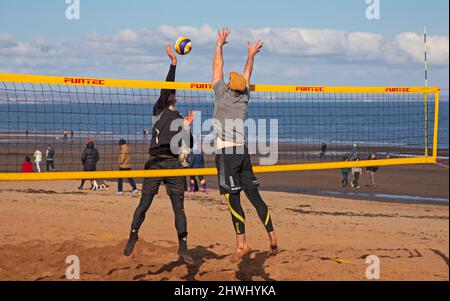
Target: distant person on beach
371	170
323	151
50	158
233	162
356	171
89	158
124	164
345	172
196	160
354	151
38	159
27	166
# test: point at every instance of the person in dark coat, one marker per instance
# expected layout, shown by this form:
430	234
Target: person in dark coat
371	170
89	158
323	150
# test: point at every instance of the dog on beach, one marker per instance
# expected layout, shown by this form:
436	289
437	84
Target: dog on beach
97	185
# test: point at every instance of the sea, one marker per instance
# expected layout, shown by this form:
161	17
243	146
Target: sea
373	122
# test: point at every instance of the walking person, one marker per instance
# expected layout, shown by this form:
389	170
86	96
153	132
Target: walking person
356	171
354	151
372	170
50	158
38	159
323	150
124	164
345	172
89	159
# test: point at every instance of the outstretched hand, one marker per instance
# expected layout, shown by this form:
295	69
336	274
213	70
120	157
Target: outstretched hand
254	49
188	120
171	54
223	36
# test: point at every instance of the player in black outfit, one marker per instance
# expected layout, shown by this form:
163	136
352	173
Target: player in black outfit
164	153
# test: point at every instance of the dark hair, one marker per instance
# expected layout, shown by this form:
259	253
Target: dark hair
345	158
172	100
28	159
122	142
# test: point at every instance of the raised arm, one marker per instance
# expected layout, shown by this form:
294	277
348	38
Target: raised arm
218	57
187	134
253	50
161	103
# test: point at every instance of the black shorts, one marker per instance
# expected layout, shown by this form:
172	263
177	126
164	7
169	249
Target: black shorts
174	185
235	172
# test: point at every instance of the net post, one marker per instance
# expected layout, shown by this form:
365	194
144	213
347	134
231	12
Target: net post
436	125
426	86
426	122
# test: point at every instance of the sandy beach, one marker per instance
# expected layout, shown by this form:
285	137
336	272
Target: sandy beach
321	238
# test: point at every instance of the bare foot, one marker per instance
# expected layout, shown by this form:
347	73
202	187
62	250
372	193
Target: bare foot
239	253
273	251
170	54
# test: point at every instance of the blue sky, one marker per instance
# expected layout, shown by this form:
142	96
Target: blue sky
35	37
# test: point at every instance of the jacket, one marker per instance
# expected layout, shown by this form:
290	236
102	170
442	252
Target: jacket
124	157
37	156
50	154
90	157
27	167
357	170
346	170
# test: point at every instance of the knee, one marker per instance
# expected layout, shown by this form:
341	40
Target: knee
178	202
145	202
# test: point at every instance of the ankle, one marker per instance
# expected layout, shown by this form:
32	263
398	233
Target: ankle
134	233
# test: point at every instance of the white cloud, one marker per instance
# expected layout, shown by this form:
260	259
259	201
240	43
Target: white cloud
409	47
203	35
290	53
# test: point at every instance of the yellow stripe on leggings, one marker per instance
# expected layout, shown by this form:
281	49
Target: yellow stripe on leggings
227	196
267	217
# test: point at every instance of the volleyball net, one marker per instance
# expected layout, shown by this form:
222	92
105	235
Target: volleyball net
289	128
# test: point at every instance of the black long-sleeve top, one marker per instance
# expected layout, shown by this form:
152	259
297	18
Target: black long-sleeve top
162	118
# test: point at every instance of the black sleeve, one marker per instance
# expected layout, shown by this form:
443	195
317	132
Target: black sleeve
165	93
97	155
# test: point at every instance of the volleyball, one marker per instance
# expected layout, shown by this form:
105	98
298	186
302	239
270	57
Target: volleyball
183	46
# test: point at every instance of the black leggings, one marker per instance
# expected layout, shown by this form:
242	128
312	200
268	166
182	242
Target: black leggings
178	208
238	215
